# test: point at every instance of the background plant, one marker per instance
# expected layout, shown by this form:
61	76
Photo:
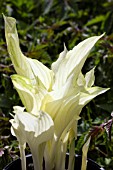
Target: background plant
43	28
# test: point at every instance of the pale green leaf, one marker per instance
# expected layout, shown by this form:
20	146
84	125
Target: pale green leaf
96	20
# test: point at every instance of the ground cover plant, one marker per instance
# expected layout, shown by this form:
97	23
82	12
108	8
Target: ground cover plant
75	21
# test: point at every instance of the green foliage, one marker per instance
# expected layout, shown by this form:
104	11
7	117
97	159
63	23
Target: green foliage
43	27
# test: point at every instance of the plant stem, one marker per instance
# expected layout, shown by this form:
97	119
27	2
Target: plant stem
37	154
71	156
84	154
61	155
22	155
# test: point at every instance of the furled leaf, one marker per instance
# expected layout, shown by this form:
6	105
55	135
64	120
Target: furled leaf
18	59
34	130
30	95
30	68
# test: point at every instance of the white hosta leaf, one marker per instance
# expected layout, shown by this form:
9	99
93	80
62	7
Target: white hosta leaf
73	61
90	78
19	134
38	125
91	94
18	59
34	130
56	64
30	95
81	80
17	131
24	66
41	72
63	111
67	90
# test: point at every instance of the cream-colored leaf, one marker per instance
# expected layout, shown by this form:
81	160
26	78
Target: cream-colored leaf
81	80
56	64
67	90
63	111
74	61
42	73
30	95
41	126
30	68
90	78
18	59
34	130
26	124
91	94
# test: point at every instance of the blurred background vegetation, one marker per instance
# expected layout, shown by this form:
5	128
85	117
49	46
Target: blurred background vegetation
43	27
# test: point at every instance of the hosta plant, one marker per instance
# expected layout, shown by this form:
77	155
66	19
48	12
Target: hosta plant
52	99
